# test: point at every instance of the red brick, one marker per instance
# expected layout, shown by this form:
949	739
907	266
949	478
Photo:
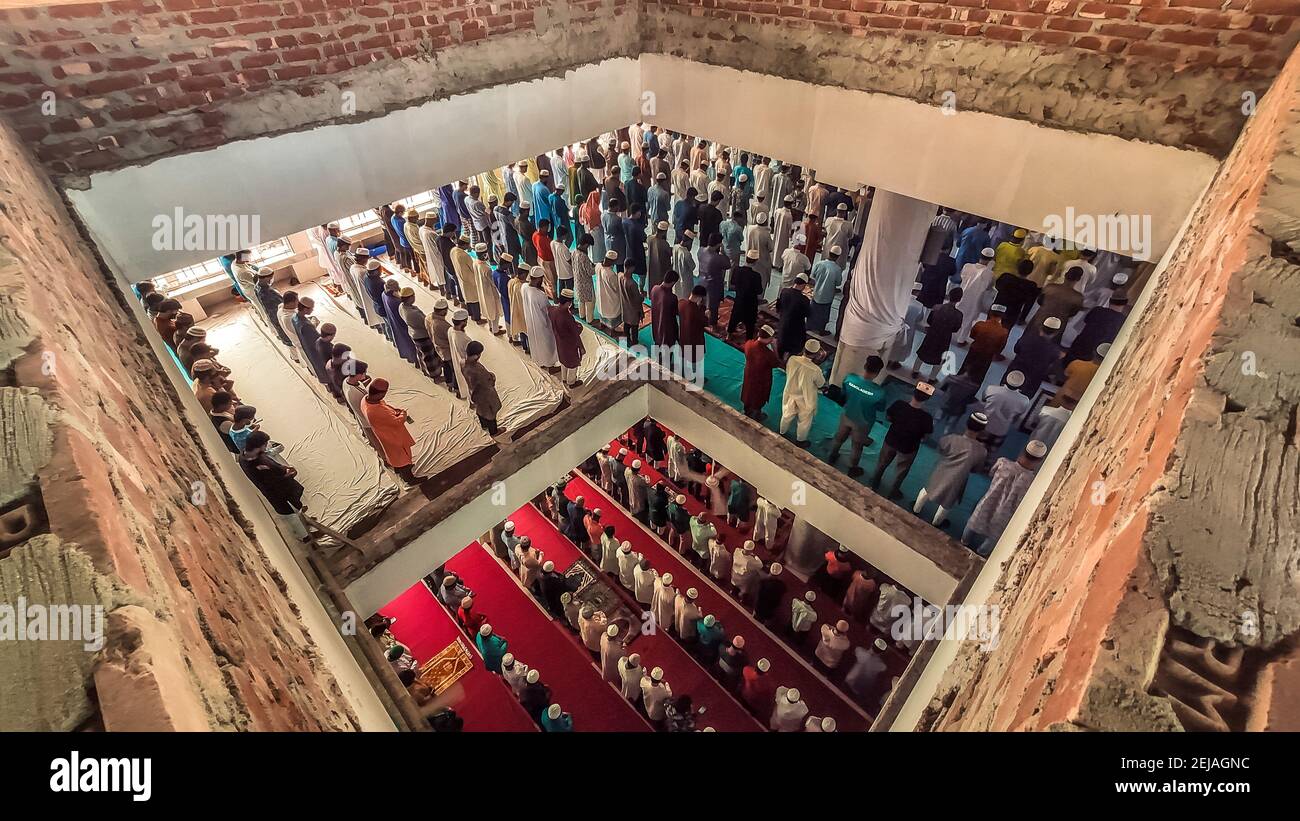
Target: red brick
1188	37
1159	52
77	11
300	55
1128	31
1070	24
1176	17
214	16
260	60
1007	33
1056	38
106	85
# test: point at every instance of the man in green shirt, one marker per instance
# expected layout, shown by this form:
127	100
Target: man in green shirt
863	401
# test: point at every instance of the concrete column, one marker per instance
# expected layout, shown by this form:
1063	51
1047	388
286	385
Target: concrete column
807	545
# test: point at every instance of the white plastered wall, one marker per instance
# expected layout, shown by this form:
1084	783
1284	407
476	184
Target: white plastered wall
1007	169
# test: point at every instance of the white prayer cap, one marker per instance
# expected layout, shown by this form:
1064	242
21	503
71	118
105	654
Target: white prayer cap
567	293
763	665
997	309
508	660
544	173
749	544
980	419
485	630
688	232
626	547
634	659
663	225
769	330
801	278
1052	323
636	464
835	249
566	597
332	225
363	251
1036	449
203	366
775	569
667	578
661	176
524	204
372	265
596	513
604	448
611	254
788	198
508	526
533	676
536	272
752	253
792	695
265	271
622	452
657	674
710	620
612	631
459	314
692	593
1119	279
480	247
881	645
681	500
712	481
828	725
1015	379
987	253
507	257
761	218
440	304
522	163
626	145
925	388
841	626
1103	349
548	567
810	596
842	207
744	178
708	730
812	346
553	712
467	602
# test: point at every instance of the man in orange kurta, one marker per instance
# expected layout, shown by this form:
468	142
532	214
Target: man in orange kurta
389	426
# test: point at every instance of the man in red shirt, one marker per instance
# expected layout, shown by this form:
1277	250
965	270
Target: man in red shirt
692	320
760	360
545	257
756	687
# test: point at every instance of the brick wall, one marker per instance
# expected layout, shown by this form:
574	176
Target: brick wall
1168	538
136	79
1166	71
95	450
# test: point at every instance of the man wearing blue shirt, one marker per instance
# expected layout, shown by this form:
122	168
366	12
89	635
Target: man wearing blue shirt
863	401
542	198
827	276
972	241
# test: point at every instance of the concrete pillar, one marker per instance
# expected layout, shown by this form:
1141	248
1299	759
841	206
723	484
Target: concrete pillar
807	545
882	279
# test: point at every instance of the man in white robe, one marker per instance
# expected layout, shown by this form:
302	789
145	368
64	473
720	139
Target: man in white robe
627	564
685	615
789	713
782	228
433	256
684	265
611	651
630	674
609	295
541	338
839	229
514	672
976	282
643	582
459	340
356	289
663	600
523	185
765	521
655	693
803	382
759	237
489	298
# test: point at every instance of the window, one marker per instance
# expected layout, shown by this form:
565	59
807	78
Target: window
195	277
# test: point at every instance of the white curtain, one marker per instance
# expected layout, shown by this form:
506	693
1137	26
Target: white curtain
885	269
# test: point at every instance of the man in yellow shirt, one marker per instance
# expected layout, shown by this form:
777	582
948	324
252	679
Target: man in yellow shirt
1079	374
1046	261
1007	255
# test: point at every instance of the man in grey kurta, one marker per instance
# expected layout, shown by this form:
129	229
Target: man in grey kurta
659	256
959	454
637	491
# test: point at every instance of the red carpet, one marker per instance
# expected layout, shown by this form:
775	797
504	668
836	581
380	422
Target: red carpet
480	698
829	609
565	667
821	698
681	670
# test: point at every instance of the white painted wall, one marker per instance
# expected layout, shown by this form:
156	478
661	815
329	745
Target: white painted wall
297	180
774	481
999	167
435	546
